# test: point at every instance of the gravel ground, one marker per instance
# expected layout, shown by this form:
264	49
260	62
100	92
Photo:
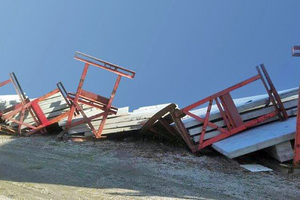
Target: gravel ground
42	168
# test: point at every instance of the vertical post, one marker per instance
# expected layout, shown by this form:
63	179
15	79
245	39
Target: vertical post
297	136
272	92
176	116
112	96
23	100
205	123
79	89
296	160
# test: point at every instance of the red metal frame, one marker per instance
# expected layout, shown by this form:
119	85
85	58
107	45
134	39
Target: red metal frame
88	98
296	52
33	107
229	112
5	82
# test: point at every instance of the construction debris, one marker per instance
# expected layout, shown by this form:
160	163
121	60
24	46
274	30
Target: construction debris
233	127
90	99
282	152
7	129
257	138
122	121
31	116
256	168
231	119
8	101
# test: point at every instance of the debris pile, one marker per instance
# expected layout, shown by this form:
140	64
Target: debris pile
233	127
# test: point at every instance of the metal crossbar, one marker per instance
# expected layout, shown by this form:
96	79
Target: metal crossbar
229	112
104	65
32	107
88	98
5	83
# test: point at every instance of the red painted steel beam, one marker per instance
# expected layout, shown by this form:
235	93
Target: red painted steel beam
229	111
273	95
224	115
39	113
85	97
5	82
79	89
223	92
112	96
32	107
51	121
17	108
205	123
104	65
239	129
296	161
93	97
222	130
49	94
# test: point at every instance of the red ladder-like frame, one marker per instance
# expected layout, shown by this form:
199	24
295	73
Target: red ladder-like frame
296	52
88	98
229	112
33	107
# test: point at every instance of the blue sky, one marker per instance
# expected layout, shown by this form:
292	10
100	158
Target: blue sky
182	51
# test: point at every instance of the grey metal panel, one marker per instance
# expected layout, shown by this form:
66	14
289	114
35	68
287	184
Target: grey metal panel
257	138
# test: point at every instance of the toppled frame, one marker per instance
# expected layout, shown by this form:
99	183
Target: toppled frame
229	113
88	98
104	65
33	108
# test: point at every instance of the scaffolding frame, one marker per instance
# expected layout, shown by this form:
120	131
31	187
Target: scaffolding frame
33	108
229	112
91	99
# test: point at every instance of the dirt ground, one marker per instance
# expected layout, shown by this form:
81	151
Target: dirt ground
42	168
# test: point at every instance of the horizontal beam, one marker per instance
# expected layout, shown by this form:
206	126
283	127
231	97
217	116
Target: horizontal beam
104	65
221	93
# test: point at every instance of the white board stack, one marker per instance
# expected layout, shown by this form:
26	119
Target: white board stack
123	121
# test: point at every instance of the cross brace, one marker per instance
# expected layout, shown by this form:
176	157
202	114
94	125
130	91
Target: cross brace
17	112
88	98
229	112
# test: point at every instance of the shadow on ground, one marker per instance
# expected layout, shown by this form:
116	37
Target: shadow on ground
44	167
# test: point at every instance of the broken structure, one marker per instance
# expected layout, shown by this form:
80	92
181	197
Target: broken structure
233	127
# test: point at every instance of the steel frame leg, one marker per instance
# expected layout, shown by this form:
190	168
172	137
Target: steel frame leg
296	161
79	89
106	112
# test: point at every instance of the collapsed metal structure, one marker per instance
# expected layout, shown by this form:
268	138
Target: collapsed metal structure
233	121
16	113
166	122
229	112
91	99
27	106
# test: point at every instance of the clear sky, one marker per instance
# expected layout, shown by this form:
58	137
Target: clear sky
182	51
